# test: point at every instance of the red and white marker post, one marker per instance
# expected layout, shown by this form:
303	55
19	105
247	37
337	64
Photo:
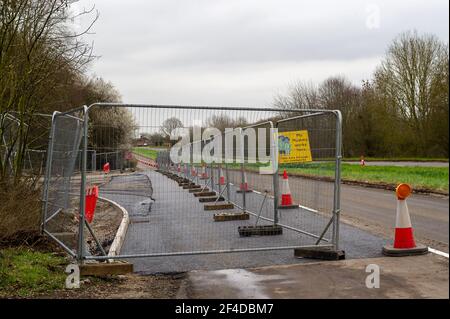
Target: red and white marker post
362	161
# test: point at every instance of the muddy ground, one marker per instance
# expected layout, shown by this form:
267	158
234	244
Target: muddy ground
106	221
130	286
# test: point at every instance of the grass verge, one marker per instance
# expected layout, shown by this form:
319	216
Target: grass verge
24	272
432	178
27	273
426	179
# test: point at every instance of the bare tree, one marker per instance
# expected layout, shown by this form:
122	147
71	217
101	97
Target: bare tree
301	95
38	55
170	125
220	121
407	78
110	128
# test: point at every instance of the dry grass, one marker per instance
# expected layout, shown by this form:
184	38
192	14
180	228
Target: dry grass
20	212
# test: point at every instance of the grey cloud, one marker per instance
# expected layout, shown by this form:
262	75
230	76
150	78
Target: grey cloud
153	39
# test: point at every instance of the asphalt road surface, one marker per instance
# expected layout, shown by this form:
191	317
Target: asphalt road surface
176	222
373	209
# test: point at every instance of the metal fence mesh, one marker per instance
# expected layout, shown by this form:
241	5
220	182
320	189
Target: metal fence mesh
170	209
63	181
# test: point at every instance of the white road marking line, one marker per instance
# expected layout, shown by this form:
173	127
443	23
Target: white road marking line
307	208
438	252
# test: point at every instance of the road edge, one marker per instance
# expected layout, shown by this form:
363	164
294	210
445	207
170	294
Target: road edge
119	239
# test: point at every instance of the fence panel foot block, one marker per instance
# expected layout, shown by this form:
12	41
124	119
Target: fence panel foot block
205	194
198	190
266	230
218	207
225	217
240	191
185	184
192	186
104	269
210	199
323	253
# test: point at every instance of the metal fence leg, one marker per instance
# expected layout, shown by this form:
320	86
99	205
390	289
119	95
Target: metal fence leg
197	170
228	184
48	170
276	180
337	182
218	178
81	248
211	172
189	171
244	191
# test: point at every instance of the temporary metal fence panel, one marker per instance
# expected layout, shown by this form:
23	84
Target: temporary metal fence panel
168	219
31	160
63	181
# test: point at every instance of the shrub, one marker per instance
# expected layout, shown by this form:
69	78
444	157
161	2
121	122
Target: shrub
20	211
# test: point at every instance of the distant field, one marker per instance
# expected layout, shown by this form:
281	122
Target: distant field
146	152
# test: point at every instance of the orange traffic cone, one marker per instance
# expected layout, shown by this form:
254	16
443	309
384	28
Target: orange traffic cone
404	243
243	188
106	168
221	177
204	174
286	197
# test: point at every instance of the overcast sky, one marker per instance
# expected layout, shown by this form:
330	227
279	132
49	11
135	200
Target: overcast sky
243	52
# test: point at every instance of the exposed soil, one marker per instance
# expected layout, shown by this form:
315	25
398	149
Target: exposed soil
106	221
131	286
105	224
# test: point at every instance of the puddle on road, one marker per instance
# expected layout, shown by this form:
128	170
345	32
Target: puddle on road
248	283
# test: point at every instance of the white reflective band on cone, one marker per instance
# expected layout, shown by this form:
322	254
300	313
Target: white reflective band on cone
402	220
285	189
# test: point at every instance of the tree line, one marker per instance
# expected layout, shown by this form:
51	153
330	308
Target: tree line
401	112
170	125
43	67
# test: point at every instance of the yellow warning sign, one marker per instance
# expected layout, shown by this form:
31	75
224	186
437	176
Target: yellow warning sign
293	147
